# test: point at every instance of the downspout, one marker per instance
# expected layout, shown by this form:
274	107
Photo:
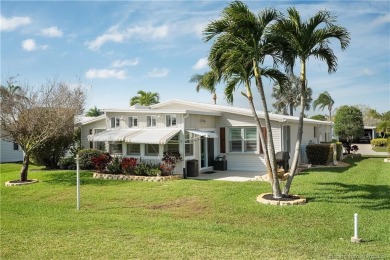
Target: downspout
184	147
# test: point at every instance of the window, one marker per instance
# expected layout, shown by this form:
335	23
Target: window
115	122
189	144
243	140
133	149
151	149
16	147
133	121
99	145
151	121
116	148
170	120
173	144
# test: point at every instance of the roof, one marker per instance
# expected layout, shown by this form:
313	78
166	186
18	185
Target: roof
83	120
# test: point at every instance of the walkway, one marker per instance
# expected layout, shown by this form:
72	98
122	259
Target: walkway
239	176
365	149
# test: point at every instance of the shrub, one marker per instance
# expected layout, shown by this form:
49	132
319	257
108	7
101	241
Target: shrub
170	160
129	165
85	157
67	163
319	154
147	169
379	142
115	165
339	150
101	161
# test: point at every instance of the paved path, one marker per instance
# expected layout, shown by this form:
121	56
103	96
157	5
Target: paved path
365	149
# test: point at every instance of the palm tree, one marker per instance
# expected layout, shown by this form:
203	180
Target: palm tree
94	112
383	124
145	98
242	41
288	96
207	81
324	100
302	40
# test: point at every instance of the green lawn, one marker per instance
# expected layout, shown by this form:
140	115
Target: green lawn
193	219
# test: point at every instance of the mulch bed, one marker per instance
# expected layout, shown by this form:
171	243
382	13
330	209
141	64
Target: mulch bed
288	198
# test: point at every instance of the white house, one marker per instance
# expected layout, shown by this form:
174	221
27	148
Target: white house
10	152
198	131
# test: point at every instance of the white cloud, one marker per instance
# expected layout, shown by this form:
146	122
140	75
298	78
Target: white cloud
114	35
368	72
382	19
52	32
105	74
202	63
30	45
124	63
158	73
9	24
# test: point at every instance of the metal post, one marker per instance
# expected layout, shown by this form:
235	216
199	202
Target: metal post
78	181
355	238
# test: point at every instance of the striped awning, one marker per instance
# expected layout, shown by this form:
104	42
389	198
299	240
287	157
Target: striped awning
113	135
152	136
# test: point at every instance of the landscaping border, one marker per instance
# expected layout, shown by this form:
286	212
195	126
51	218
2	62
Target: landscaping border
125	177
300	201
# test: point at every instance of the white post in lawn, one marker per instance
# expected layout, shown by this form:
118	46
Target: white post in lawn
355	238
78	181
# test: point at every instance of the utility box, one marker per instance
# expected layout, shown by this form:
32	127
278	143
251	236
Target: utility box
192	168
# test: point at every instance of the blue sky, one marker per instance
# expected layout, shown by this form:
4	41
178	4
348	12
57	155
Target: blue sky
118	48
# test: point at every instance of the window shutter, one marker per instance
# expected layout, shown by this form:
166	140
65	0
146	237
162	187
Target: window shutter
264	131
222	143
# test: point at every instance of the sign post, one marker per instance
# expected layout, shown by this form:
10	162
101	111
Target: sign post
78	181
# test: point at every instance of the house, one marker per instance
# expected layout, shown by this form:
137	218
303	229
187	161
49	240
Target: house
198	131
10	152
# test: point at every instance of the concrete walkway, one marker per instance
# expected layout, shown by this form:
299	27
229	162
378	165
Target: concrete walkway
365	149
239	176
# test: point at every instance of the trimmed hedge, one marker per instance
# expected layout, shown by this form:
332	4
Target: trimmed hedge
379	142
85	158
319	154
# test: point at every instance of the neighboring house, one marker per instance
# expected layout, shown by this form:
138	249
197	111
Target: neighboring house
10	152
198	131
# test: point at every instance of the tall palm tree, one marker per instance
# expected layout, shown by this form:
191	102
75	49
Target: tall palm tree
288	96
207	81
324	100
145	98
241	43
94	112
302	40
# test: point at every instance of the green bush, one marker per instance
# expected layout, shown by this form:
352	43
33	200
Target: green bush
67	163
147	169
115	165
319	154
379	142
85	158
339	150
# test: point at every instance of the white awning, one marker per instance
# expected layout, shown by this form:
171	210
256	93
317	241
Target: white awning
152	136
203	133
112	135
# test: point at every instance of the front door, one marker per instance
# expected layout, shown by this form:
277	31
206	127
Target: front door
206	152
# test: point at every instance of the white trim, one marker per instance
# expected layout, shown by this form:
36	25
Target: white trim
203	133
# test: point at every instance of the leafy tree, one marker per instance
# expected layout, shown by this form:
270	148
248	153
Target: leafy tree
324	100
145	98
241	43
37	115
301	40
288	96
94	112
383	124
207	81
319	117
348	123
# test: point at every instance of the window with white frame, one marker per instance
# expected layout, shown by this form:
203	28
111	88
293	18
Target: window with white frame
116	148
16	147
99	145
151	149
133	121
170	120
189	144
133	149
151	121
115	122
173	144
243	139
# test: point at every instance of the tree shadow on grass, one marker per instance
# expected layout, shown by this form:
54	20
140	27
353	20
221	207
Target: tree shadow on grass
352	162
374	197
69	178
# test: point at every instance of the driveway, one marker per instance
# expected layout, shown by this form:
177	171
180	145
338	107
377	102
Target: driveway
365	149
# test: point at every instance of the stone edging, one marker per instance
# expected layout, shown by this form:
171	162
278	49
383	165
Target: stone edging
300	201
10	183
124	177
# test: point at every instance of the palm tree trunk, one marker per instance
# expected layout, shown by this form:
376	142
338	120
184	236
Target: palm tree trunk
294	164
276	191
215	98
24	170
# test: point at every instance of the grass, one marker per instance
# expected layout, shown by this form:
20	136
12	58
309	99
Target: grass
194	219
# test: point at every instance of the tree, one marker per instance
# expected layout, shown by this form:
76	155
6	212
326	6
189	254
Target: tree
319	117
324	100
145	98
383	121
288	96
301	40
348	123
37	115
207	81
94	112
241	43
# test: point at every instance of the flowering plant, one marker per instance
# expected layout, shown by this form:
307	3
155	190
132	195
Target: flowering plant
129	164
101	161
170	160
